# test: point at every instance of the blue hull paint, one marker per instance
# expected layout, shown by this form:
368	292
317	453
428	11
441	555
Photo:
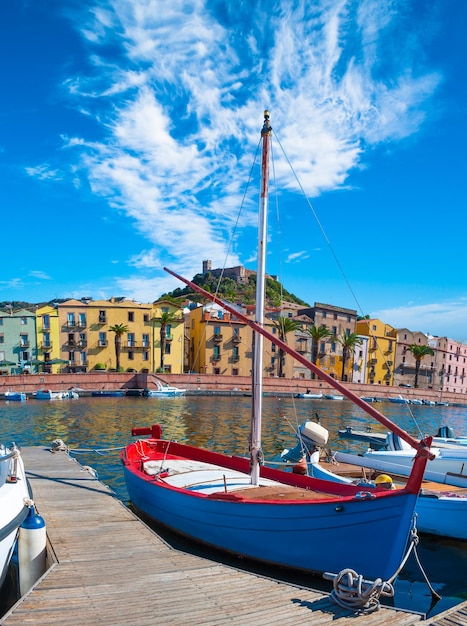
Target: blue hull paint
367	535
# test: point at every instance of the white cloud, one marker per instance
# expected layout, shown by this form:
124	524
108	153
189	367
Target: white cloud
179	107
431	318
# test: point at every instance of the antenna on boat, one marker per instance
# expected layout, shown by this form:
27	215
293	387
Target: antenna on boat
256	455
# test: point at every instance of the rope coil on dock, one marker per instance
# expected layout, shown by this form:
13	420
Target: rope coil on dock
351	591
58	445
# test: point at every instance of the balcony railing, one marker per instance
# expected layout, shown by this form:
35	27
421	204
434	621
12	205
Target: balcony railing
217	337
215	358
102	343
46	345
236	339
102	320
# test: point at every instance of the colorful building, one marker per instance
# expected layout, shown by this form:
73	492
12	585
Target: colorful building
381	350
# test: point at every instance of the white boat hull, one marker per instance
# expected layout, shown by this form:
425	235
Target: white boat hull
13	510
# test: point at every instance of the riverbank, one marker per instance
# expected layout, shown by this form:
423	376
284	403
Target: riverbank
198	384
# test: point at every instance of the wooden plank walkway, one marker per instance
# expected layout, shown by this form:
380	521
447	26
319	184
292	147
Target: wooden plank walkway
110	569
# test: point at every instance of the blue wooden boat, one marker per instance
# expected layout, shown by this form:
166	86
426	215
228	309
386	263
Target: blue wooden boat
15	396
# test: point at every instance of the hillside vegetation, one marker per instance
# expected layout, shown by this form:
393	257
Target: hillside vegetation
233	291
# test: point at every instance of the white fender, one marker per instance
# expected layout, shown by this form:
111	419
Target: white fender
32	541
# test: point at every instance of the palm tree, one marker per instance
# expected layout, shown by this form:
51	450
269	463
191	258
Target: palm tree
419	352
318	334
284	325
165	319
119	330
349	343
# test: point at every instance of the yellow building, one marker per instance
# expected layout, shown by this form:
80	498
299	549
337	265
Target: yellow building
382	340
48	339
87	341
167	328
222	344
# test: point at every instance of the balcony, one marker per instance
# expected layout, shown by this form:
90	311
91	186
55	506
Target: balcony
373	361
215	358
102	343
81	324
169	338
24	344
46	345
217	337
71	343
82	343
102	319
71	324
236	339
235	359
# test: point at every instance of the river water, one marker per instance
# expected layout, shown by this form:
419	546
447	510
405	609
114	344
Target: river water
95	429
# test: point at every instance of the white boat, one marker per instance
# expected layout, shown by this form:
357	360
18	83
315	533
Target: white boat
14	503
164	391
310	396
444	438
240	506
48	394
333	396
397	451
15	396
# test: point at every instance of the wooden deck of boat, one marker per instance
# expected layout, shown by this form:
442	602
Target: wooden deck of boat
110	569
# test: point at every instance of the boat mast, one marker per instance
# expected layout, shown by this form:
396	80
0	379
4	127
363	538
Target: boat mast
256	455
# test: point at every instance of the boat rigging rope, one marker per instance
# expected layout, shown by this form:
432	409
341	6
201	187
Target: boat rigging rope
351	591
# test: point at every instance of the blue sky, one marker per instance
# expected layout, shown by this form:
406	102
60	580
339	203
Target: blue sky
128	129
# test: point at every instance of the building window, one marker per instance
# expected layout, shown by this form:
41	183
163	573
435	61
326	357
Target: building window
131	355
131	316
217	352
102	339
145	340
146	317
146	355
82	358
24	321
102	317
334	330
23	341
70	319
71	357
2	339
167	348
24	355
131	340
82	319
217	371
235	372
46	322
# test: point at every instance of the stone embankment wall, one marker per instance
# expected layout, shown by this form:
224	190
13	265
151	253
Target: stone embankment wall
204	383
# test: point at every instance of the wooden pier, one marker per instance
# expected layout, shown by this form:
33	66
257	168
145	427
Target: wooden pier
107	568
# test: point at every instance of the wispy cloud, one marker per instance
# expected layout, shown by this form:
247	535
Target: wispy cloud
179	107
431	318
40	275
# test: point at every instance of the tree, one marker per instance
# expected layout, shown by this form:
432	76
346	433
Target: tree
349	343
318	334
284	325
165	319
419	352
119	330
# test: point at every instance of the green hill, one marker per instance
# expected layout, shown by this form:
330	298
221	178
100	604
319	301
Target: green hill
233	291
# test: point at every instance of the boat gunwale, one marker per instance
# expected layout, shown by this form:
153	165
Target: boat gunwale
285	479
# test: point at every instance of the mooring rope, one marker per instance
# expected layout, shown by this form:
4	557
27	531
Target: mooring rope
352	592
